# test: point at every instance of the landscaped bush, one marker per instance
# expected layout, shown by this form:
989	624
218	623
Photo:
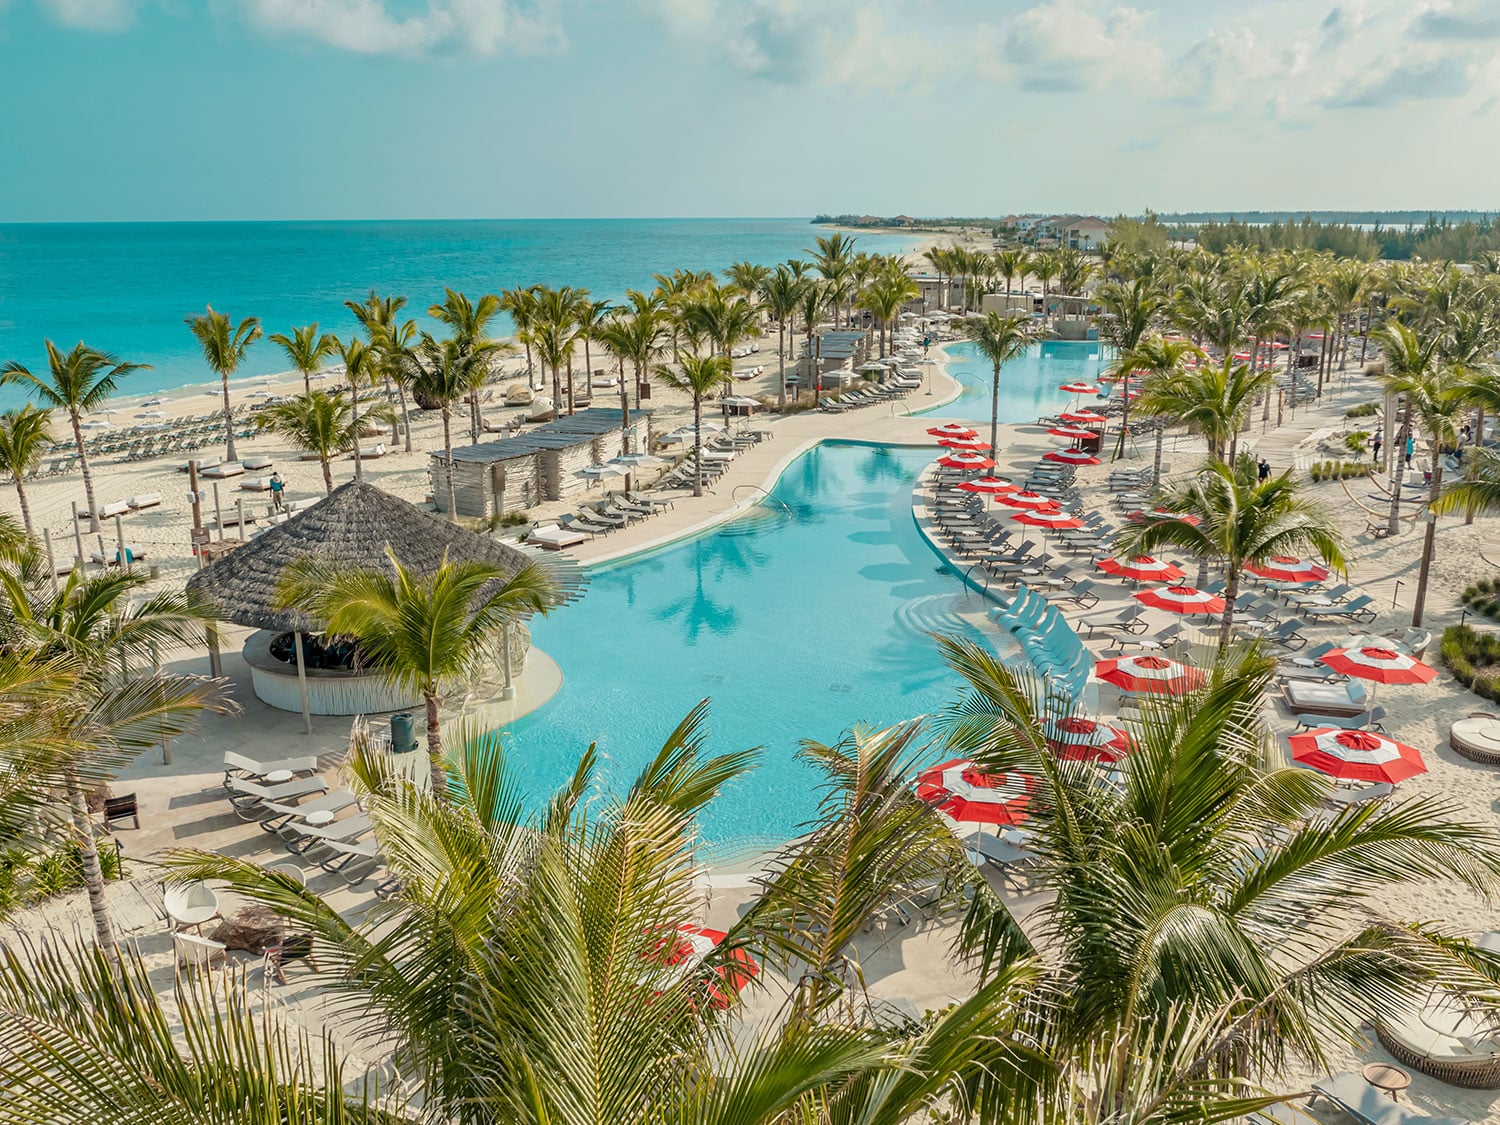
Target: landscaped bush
1363	410
1471	657
1483	598
1357	442
28	877
1337	470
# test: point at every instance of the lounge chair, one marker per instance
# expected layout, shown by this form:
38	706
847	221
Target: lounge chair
1082	593
579	523
646	499
1131	619
1342	798
1324	698
250	769
284	814
198	952
1364	720
1356	610
1368	1106
555	538
353	861
248	798
309	837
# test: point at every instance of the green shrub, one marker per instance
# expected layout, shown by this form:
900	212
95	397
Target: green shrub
1363	410
1473	658
1357	442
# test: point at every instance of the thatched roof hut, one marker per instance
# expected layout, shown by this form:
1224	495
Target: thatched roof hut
356	524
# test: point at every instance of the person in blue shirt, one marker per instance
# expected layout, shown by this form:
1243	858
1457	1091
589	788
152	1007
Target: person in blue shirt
1411	447
277	487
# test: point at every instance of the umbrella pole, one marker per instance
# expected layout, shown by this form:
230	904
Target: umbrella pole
302	683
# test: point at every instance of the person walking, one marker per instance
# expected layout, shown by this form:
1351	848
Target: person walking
1264	470
1379	441
1411	447
278	486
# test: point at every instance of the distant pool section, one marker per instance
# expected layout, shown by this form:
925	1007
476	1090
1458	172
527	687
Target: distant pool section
800	619
1028	385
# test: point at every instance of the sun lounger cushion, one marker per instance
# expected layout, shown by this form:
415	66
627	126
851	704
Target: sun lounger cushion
555	538
223	471
256	463
1324	698
144	500
255	484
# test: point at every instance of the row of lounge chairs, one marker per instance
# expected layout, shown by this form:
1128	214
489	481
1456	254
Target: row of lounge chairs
717	456
893	386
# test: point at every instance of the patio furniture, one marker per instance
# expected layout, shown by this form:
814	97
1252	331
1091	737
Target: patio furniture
1368	1106
1477	738
190	904
1444	1039
197	952
123	807
1340	699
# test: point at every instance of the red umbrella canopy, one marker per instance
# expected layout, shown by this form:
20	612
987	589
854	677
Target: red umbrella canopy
992	485
1152	675
1057	521
1078	739
1141	568
953	429
960	459
1087	416
1181	599
1072	433
1079	388
1027	499
1288	568
1383	665
973	444
1356	755
1164	514
1071	457
682	950
963	792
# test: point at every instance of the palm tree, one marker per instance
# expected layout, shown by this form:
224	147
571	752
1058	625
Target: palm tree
591	316
1011	264
780	296
747	278
25	435
1000	339
833	260
1212	400
86	633
815	297
390	343
521	305
78	382
1412	359
1240	522
699	376
446	372
724	317
1045	267
322	424
224	346
306	351
361	367
1205	911
423	633
885	297
1131	310
554	334
468	324
638	337
1162	361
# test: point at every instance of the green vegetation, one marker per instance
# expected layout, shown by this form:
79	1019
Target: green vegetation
1357	441
1338	470
1473	657
30	875
1363	410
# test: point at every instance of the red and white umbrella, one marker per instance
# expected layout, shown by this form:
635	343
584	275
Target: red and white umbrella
963	792
1142	568
1164	514
973	444
1055	521
1079	388
682	950
953	429
1071	457
1150	675
1288	568
1356	755
1027	499
1072	433
1078	739
1087	416
1382	665
959	459
991	485
1180	599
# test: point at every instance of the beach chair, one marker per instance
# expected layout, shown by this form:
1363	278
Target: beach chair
248	798
309	836
555	538
1350	1093
284	814
123	807
1356	610
1083	593
1131	619
1365	720
249	769
198	952
189	904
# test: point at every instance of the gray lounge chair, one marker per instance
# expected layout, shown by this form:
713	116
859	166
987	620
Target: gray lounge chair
1130	620
1365	720
308	836
1356	610
249	799
250	769
1369	1106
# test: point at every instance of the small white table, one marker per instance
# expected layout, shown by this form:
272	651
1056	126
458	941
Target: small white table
277	777
319	819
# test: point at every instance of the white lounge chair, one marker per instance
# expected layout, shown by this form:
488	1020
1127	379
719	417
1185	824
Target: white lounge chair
223	470
243	766
249	798
310	836
1369	1106
283	814
555	538
190	904
198	952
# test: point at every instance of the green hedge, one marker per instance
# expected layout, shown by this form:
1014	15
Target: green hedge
1472	658
1337	470
1483	598
1363	410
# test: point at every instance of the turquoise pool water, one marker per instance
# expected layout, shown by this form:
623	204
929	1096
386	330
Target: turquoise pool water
799	620
1028	385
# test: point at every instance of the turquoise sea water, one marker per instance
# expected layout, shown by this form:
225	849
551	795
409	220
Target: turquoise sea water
127	287
799	620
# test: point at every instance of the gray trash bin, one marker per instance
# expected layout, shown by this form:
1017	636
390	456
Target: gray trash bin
403	733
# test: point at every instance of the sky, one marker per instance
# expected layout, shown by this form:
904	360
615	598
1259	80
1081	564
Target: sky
347	109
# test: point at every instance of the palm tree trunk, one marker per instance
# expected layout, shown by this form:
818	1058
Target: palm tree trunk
995	412
25	507
93	873
697	444
781	365
327	473
88	474
405	416
1161	434
1478	444
228	423
1231	591
435	747
448	459
1429	538
570	382
1364	341
359	472
1124	419
307	382
395	426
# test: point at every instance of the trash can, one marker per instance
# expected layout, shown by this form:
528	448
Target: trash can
403	733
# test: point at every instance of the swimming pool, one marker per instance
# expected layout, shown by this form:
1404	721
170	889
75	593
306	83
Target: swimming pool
1028	385
801	619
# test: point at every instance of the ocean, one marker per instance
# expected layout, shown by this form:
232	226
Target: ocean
127	288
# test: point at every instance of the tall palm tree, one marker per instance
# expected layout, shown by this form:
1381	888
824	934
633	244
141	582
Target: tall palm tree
591	316
638	337
520	303
723	317
780	296
1212	400
468	325
747	278
1205	910
1011	264
699	376
88	632
815	298
422	632
25	435
1239	521
1131	310
1000	339
885	297
833	260
1409	358
1161	360
224	345
390	341
1348	284
306	350
322	424
78	382
447	371
1045	267
361	369
554	334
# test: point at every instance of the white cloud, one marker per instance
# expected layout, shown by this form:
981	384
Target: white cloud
375	27
93	15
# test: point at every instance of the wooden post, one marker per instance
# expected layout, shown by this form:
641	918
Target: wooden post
218	512
239	506
120	543
195	497
302	683
51	559
215	665
77	536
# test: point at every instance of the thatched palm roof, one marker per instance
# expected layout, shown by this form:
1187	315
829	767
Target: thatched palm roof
356	525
